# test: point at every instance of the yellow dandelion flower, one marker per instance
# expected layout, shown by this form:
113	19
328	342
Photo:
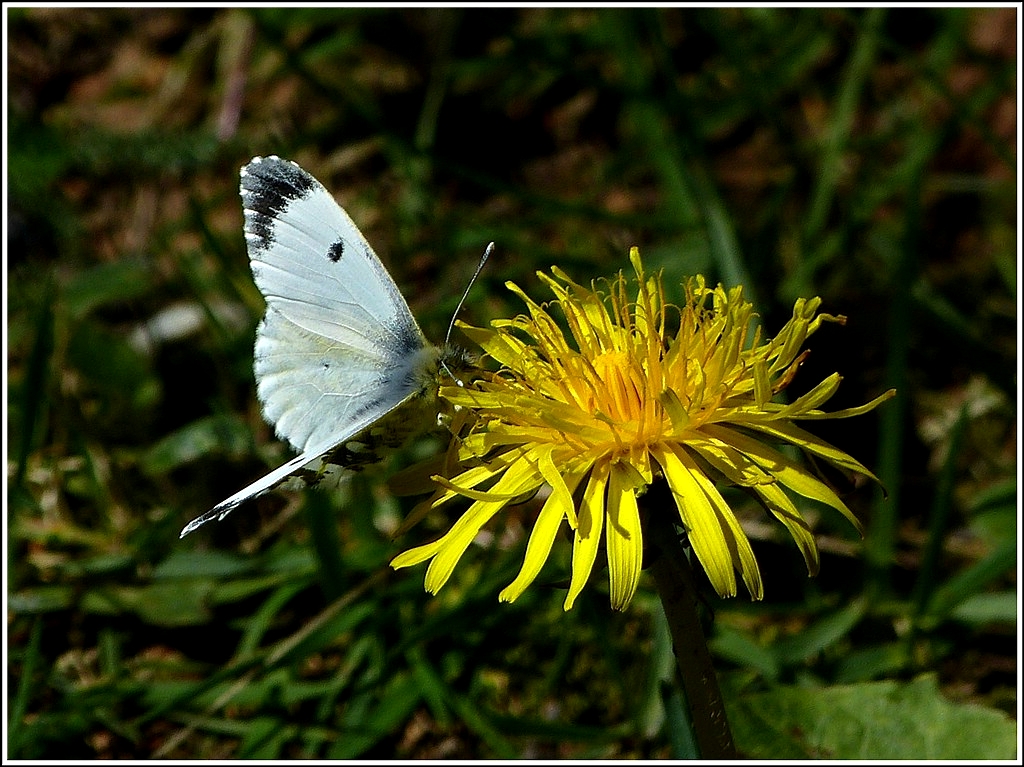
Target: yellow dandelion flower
621	403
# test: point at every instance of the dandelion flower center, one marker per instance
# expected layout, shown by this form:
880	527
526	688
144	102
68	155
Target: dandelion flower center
616	396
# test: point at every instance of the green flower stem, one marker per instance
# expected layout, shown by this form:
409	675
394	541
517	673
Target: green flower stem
670	567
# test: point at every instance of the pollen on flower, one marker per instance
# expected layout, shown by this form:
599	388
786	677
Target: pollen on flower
618	403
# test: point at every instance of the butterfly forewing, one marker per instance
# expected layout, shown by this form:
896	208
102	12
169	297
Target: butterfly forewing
311	262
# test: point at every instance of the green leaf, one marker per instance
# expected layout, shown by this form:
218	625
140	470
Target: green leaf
101	564
479	722
114	369
740	648
41	599
996	524
171	603
873	662
874	720
263	738
114	283
988	608
999	495
821	634
30	662
206	436
29	396
243	588
366	725
971	581
260	622
201	564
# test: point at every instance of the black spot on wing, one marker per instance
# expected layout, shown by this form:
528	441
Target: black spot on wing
268	186
337	251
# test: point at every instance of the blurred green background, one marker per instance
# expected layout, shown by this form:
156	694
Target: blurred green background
867	156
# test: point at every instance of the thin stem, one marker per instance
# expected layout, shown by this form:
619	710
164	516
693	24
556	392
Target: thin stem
673	576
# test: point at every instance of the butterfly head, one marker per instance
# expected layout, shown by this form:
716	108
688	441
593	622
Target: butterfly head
458	364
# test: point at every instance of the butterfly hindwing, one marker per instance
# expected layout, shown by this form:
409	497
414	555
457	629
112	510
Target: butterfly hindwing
312	389
260	486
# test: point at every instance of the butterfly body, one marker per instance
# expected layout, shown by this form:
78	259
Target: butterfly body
343	370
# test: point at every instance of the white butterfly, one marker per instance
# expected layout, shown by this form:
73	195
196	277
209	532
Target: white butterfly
338	350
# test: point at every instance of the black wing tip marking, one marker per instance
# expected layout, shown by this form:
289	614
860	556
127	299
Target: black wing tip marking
268	186
218	512
274	171
262	165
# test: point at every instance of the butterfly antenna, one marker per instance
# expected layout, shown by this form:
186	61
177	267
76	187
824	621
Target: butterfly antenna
451	325
469	287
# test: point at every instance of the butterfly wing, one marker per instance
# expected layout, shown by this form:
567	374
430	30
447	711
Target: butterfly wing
338	348
260	486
